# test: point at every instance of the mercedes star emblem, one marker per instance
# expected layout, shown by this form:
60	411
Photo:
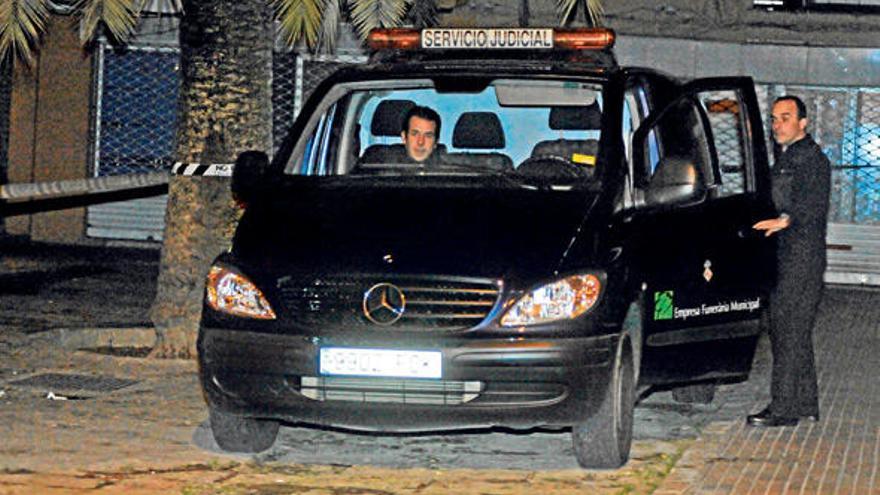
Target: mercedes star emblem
384	303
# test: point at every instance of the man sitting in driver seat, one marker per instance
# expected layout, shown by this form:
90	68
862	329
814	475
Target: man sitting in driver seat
421	126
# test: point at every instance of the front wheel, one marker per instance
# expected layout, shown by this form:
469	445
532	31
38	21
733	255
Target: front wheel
603	440
241	434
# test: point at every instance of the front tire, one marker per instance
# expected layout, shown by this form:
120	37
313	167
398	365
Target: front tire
603	440
241	434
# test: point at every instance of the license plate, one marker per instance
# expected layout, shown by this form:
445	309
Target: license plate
380	362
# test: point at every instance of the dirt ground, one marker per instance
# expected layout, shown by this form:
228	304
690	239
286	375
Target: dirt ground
141	437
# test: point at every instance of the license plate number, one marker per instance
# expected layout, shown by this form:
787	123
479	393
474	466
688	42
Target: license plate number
380	362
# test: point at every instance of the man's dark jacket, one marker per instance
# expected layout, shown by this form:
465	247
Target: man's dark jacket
801	189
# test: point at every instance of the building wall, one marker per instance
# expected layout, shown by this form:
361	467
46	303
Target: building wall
710	20
49	128
737	21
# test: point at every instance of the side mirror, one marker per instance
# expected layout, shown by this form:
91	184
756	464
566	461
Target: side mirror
250	176
676	181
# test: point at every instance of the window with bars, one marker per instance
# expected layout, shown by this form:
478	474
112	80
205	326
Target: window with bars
138	105
138	110
294	78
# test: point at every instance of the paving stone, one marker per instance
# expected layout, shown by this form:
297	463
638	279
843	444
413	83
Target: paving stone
839	454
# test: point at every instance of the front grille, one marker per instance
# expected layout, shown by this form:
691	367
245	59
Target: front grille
431	302
390	390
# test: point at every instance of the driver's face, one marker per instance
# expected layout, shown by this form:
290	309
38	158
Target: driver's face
420	138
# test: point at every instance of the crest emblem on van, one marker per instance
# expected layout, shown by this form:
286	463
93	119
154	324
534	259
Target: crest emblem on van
384	303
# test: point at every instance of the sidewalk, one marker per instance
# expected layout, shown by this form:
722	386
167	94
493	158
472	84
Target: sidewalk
839	454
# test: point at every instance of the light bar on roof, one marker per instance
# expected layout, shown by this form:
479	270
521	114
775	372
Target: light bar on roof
491	39
487	39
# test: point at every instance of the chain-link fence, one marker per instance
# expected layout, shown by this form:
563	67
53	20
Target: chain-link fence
294	78
137	110
284	91
136	120
137	104
846	124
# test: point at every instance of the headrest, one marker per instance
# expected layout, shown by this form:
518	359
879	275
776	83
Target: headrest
478	130
586	118
388	117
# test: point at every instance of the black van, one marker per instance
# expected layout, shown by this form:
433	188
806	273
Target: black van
580	232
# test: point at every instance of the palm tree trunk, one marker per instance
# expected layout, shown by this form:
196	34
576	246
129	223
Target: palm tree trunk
524	14
224	109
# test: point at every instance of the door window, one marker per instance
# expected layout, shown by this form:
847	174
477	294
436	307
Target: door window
636	108
728	124
709	128
678	134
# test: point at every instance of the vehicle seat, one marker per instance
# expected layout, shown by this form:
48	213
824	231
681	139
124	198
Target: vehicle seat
480	131
576	151
579	152
387	122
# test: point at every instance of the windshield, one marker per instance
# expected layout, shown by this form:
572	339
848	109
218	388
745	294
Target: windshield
546	129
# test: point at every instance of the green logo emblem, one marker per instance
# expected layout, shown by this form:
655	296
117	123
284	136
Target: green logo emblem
663	305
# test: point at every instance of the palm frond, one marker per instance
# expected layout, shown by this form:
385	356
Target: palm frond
567	11
21	24
371	14
596	11
120	17
423	13
299	19
330	26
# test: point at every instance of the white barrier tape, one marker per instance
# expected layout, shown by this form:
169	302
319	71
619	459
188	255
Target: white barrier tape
212	170
74	187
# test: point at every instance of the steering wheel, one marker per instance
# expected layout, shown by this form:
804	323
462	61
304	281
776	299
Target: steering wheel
549	166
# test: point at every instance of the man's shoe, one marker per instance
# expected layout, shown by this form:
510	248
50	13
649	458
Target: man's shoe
773	421
760	417
812	417
767	418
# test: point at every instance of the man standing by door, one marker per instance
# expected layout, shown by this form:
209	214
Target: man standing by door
801	190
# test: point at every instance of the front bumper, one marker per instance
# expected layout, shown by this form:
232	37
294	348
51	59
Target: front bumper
512	382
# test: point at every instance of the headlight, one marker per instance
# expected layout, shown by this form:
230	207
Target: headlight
232	293
563	299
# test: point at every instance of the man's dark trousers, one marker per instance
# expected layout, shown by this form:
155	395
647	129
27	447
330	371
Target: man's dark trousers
801	183
793	308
